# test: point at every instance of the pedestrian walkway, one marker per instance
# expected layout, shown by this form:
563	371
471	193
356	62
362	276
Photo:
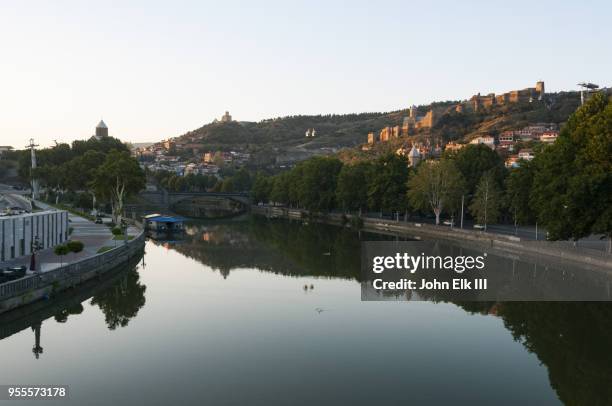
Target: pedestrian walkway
93	236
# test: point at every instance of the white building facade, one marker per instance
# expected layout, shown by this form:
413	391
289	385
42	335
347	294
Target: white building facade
18	233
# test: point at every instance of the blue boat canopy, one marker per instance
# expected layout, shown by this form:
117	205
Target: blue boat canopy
164	219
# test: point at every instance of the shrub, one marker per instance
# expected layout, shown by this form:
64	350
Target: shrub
75	246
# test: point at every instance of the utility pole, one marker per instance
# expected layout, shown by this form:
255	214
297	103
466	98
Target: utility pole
32	147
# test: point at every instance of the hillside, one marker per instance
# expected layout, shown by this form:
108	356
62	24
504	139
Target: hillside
283	140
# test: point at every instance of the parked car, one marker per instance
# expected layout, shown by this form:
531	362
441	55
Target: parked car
448	223
479	226
12	273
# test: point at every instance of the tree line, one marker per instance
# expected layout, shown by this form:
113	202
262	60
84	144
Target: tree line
96	171
231	180
566	188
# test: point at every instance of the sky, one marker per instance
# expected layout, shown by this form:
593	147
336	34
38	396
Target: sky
154	70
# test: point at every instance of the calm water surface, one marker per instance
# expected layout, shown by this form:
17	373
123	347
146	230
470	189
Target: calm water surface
253	312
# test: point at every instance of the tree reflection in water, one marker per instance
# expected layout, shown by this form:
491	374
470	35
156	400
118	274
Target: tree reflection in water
122	301
572	339
62	315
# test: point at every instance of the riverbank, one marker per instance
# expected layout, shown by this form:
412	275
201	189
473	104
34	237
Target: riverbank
44	285
543	251
101	254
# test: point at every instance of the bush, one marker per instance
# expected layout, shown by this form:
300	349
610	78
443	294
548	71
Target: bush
117	231
61	250
75	246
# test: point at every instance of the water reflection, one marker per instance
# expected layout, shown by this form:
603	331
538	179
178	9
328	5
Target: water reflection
119	295
264	341
121	302
281	247
571	339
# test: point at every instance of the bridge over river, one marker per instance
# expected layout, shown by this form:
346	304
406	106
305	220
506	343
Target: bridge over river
193	204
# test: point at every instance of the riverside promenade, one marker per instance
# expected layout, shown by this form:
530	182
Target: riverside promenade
56	276
93	236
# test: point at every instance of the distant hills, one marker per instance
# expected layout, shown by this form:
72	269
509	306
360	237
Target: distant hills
286	136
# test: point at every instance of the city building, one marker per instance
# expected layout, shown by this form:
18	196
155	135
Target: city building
549	136
507	137
526	154
5	148
487	140
19	233
453	146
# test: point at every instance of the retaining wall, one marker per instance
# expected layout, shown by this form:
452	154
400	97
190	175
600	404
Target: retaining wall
35	287
560	250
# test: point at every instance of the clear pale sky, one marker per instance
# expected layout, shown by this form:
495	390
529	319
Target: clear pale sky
154	70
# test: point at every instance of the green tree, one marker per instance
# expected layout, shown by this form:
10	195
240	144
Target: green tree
280	188
518	191
262	187
473	161
352	188
486	203
117	178
317	185
60	251
572	187
436	186
387	183
242	180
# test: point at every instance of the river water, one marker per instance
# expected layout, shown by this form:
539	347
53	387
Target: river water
255	312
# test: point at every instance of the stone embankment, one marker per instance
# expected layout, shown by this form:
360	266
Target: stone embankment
542	251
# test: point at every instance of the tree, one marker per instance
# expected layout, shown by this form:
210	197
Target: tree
317	184
117	178
486	203
241	180
474	160
387	183
518	191
60	251
280	188
436	186
352	188
262	188
572	187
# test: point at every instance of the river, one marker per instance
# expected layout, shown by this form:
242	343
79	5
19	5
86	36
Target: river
256	312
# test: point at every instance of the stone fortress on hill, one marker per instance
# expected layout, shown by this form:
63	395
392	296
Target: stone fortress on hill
412	123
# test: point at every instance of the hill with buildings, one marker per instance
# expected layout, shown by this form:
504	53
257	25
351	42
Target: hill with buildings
285	140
